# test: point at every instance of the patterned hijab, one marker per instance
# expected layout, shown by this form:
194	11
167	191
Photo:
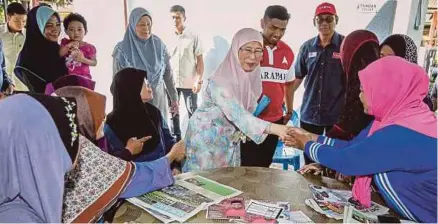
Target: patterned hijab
35	156
64	112
147	55
403	46
91	109
94	185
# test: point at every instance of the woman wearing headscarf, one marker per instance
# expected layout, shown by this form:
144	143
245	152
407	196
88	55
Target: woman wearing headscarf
143	50
359	49
91	112
226	116
402	46
398	150
133	117
399	45
39	62
99	179
34	162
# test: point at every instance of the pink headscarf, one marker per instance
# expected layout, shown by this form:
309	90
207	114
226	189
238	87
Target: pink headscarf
394	90
246	87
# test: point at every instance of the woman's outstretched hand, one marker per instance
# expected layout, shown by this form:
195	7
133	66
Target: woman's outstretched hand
177	152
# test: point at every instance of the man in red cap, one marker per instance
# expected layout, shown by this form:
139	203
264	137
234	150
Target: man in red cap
319	62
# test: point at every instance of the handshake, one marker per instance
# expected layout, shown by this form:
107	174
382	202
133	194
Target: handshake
295	137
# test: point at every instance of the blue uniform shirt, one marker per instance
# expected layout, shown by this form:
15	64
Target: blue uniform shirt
323	73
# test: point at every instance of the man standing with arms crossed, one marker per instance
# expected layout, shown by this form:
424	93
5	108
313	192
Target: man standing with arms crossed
187	64
277	77
319	61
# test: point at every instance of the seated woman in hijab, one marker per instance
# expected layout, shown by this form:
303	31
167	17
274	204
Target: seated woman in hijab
92	186
91	112
143	50
147	176
34	162
39	63
398	150
134	118
358	50
226	115
402	46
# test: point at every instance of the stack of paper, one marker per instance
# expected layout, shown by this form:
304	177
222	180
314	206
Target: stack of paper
189	195
332	203
237	210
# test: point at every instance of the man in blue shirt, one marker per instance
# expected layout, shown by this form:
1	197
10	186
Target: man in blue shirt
319	63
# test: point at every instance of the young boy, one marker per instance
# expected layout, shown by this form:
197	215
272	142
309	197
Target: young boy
13	40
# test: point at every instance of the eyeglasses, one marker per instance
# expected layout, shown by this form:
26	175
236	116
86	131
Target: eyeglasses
258	52
320	20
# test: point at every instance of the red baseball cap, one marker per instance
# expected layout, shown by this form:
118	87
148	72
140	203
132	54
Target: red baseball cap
325	8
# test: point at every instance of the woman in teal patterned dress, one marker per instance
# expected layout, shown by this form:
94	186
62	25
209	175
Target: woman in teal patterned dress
225	117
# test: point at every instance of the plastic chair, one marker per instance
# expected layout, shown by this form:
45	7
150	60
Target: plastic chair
280	155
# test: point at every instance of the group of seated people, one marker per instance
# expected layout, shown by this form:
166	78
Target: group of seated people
64	160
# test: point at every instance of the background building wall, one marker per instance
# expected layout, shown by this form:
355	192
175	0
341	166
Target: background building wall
217	21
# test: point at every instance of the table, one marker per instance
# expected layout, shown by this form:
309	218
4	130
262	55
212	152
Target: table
255	183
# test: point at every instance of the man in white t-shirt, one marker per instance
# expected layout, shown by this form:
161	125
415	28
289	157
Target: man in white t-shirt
187	64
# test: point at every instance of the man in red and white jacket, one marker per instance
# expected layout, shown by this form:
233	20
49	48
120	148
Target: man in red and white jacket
277	75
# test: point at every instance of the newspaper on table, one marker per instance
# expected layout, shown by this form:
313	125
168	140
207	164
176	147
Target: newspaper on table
159	216
265	212
352	215
269	211
189	195
331	203
297	217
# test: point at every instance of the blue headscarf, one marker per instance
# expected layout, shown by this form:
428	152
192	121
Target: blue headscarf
43	15
147	55
33	162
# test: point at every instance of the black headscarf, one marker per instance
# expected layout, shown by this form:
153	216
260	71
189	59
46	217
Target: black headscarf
64	113
403	46
130	116
39	62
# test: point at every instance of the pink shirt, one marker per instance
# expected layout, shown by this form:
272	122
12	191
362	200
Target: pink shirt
78	68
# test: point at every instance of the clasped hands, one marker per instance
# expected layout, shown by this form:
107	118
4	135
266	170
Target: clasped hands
296	137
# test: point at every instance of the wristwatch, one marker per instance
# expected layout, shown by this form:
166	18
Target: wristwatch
289	113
